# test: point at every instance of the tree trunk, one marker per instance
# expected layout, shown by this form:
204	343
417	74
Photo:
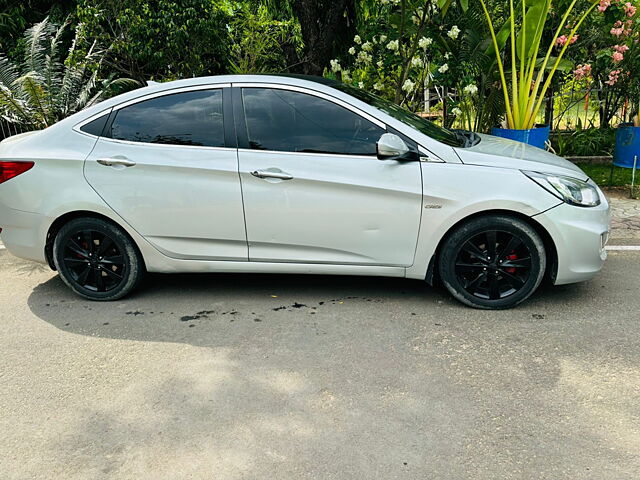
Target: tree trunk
327	28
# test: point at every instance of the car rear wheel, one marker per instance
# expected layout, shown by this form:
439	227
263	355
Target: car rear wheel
492	262
96	259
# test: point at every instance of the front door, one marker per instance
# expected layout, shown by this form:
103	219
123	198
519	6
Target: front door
163	165
313	189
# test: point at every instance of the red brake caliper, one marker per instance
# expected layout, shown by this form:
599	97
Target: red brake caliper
513	256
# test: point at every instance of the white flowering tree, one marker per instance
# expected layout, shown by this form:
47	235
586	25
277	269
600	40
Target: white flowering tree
406	46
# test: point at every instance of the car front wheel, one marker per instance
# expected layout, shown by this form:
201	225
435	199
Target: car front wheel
492	262
96	259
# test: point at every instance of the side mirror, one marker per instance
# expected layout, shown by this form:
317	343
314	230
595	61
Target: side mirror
392	147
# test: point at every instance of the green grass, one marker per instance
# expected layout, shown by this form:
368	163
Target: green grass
600	174
621	177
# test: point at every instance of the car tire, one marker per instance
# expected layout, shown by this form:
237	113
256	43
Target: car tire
492	262
97	259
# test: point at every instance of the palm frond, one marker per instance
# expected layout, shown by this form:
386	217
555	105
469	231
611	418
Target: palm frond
53	63
35	40
48	86
32	84
8	72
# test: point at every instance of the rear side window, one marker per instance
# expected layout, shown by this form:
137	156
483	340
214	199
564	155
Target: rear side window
95	127
188	118
283	120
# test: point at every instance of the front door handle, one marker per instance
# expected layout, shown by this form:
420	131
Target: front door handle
109	162
269	174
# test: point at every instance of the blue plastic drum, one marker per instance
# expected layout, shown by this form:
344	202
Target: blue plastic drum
627	146
534	136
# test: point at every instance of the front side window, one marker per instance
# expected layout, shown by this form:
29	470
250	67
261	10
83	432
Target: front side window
444	135
288	121
188	118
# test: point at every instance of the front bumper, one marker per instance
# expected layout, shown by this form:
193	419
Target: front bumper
23	233
580	235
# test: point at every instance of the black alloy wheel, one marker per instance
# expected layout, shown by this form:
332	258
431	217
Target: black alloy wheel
493	265
492	262
94	260
97	259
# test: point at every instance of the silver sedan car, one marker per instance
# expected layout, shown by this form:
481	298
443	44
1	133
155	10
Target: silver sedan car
284	174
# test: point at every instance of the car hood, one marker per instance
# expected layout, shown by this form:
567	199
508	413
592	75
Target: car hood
501	152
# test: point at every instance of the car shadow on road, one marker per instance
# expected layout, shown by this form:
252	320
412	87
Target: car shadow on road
203	309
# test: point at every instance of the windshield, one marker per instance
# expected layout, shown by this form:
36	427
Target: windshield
444	135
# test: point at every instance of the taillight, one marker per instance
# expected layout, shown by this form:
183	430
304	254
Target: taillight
10	169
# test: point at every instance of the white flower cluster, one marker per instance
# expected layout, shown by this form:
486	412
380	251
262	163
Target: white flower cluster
456	111
454	32
357	39
366	46
470	89
363	57
377	86
393	45
408	86
424	42
352	50
335	66
443	68
417	62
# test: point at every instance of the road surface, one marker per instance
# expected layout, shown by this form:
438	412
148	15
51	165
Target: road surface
291	377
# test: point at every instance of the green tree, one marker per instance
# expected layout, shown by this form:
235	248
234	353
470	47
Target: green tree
17	15
160	39
262	39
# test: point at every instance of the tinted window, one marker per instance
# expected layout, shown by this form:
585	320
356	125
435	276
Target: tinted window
96	126
430	129
296	122
189	118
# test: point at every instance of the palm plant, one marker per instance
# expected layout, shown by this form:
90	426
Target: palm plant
44	88
524	99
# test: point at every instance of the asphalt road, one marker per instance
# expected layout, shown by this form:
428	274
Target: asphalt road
288	377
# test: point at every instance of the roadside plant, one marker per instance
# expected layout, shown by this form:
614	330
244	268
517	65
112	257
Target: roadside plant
525	92
44	86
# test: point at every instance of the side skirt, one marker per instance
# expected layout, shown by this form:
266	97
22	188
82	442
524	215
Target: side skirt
186	266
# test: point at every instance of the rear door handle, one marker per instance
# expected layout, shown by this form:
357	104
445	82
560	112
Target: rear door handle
109	162
269	174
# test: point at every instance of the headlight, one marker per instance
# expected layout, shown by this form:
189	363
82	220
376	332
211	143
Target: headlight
569	189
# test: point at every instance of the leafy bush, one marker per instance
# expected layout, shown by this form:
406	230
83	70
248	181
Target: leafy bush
584	142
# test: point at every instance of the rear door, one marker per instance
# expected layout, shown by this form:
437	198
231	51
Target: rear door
313	188
167	165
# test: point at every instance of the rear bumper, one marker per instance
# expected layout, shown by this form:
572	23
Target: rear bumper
22	233
580	236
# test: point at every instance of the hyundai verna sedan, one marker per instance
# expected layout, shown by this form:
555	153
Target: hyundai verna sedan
287	174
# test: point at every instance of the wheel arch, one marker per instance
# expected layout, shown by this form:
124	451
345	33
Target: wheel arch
549	245
65	218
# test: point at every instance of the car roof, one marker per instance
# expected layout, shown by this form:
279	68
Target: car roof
309	81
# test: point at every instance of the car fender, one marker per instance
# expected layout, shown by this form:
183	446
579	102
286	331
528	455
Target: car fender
453	192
